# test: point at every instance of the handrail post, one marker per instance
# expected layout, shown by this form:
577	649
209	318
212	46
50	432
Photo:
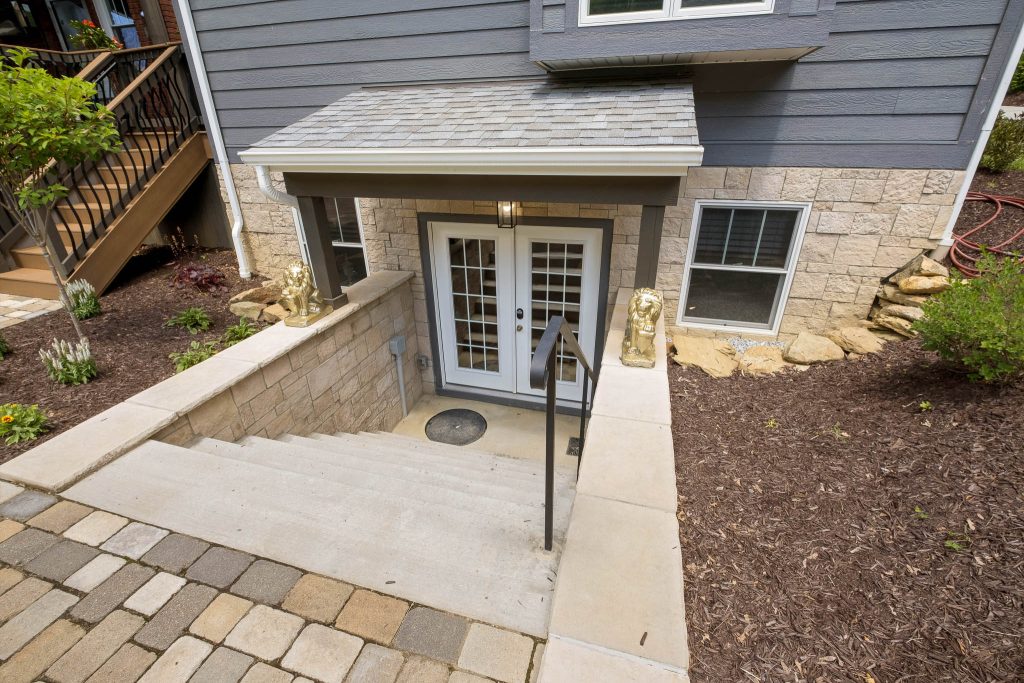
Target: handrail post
549	456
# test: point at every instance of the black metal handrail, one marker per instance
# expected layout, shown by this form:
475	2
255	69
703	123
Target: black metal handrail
121	68
58	64
544	375
155	114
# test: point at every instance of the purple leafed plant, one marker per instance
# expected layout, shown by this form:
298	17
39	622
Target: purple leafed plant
201	276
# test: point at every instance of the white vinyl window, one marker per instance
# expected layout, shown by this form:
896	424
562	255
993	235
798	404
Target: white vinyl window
626	11
346	231
740	264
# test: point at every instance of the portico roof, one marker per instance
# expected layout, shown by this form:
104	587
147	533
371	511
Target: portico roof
522	127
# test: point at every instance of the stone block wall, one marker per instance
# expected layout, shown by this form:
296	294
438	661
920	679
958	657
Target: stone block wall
342	378
864	225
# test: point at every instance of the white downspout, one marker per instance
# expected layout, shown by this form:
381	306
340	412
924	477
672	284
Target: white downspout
188	28
267	187
979	148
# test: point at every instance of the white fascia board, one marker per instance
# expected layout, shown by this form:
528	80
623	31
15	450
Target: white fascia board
662	160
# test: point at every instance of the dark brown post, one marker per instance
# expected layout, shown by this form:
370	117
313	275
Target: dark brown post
651	220
321	253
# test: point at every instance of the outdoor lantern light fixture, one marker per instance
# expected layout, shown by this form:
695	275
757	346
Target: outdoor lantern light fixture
507	214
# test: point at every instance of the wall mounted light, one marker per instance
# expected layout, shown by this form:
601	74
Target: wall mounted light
507	214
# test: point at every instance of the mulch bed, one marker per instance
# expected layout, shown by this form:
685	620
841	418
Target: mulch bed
1014	100
1009	222
128	341
832	530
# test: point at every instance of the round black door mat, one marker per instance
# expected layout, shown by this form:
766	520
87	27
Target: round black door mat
457	426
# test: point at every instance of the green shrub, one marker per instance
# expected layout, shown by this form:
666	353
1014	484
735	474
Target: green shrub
85	302
5	348
193	319
69	364
194	355
21	423
1017	83
1005	145
980	323
236	333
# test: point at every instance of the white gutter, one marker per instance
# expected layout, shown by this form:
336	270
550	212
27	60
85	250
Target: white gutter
274	194
979	148
188	29
662	160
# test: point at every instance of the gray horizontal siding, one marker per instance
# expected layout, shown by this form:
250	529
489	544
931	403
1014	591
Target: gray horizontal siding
898	83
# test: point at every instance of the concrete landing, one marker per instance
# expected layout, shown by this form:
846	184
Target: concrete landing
416	531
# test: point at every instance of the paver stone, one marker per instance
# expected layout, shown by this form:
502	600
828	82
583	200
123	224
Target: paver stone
30	622
264	632
60	517
8	491
433	634
96	647
26	505
98	570
223	666
8	527
220	617
267	582
376	664
33	659
179	662
125	666
219	567
134	540
317	598
372	616
21	596
96	528
105	598
152	596
172	620
175	553
495	653
61	560
9	578
25	546
264	673
322	653
422	670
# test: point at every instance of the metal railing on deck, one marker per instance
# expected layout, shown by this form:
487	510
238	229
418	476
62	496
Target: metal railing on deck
58	64
544	375
155	114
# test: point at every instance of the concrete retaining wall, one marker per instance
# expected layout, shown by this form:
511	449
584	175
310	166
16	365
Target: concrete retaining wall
335	375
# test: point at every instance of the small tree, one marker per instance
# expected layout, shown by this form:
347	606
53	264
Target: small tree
45	120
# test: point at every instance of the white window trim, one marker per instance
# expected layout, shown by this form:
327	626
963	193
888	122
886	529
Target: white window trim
788	271
670	11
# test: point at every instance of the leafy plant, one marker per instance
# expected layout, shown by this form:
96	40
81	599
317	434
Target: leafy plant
236	333
203	277
85	302
771	423
46	121
1005	144
5	348
919	513
195	354
957	542
925	406
21	423
89	36
1017	82
980	323
69	364
193	319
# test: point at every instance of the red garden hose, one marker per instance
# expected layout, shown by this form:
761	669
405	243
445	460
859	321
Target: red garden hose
965	253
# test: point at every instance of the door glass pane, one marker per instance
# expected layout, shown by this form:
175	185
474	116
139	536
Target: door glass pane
617	6
475	302
733	296
556	283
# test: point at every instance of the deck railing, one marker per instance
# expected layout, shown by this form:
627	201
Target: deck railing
543	375
59	64
150	94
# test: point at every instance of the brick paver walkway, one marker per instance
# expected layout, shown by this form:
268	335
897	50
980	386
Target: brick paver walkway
89	597
18	309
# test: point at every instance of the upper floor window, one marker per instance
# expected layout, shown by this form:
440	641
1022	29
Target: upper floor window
622	11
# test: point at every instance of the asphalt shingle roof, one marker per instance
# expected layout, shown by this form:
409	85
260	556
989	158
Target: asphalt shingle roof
531	113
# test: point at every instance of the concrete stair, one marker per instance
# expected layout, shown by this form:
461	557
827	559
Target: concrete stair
444	526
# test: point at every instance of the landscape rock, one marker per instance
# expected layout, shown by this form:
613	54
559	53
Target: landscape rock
810	348
921	265
892	293
910	313
275	312
762	360
713	356
247	309
265	294
899	325
855	340
922	284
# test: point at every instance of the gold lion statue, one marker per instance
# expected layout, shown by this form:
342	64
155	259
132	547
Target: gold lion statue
300	297
641	320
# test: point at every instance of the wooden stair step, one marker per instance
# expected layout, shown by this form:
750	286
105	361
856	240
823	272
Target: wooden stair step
32	282
29	257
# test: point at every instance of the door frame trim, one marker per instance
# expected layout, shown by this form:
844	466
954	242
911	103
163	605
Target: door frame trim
605	225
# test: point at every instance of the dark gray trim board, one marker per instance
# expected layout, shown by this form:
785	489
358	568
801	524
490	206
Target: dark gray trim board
321	252
555	189
652	219
424	219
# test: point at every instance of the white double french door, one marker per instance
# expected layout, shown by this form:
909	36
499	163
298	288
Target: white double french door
495	290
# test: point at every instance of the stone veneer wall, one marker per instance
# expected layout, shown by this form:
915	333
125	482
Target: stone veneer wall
341	379
864	225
